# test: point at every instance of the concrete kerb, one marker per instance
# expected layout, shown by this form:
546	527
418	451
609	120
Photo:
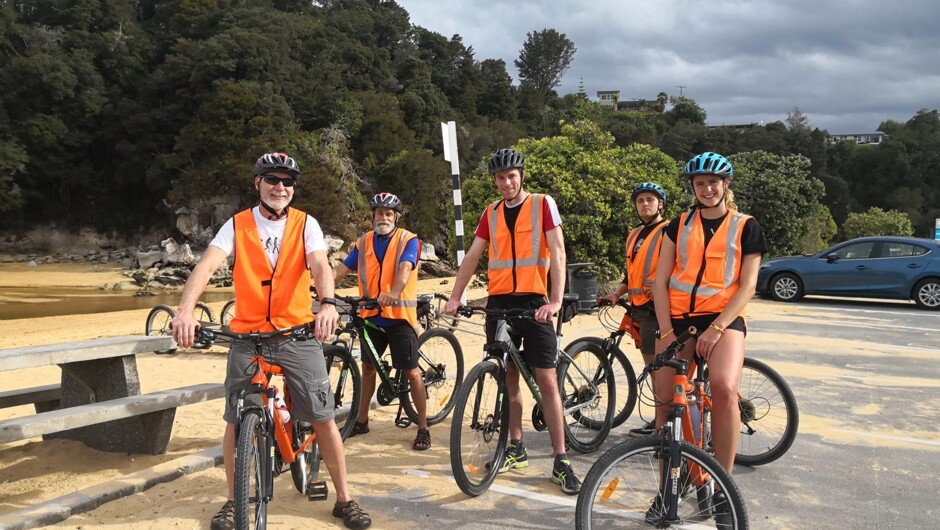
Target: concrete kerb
61	508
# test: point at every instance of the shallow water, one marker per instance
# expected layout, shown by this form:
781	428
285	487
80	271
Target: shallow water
33	302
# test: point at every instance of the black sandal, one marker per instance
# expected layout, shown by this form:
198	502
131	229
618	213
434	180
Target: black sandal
359	428
422	440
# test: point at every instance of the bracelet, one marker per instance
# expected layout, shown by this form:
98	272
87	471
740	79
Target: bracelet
666	334
716	328
328	300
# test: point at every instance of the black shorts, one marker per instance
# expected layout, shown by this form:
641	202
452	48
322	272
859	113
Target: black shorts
646	318
701	324
537	339
402	340
305	372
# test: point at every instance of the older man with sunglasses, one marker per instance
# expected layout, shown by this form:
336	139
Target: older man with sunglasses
278	251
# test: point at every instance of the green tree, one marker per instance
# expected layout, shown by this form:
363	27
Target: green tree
543	60
780	193
820	230
497	98
877	222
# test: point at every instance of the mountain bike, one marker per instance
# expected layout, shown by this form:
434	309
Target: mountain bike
440	362
159	318
624	374
266	443
666	480
480	428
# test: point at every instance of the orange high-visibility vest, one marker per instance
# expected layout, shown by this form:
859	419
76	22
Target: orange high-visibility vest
269	298
519	261
377	277
690	295
641	269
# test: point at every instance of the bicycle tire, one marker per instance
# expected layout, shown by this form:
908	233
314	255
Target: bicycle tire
479	430
624	378
251	455
203	313
158	324
228	313
620	487
442	375
346	384
587	427
306	465
770	416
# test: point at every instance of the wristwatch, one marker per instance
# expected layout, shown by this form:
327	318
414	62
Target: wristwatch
328	300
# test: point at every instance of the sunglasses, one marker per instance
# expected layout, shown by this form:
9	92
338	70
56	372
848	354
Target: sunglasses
288	182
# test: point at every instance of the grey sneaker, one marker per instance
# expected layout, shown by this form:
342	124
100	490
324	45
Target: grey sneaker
563	474
647	430
225	519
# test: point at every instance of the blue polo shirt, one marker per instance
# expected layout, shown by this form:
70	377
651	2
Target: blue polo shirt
380	244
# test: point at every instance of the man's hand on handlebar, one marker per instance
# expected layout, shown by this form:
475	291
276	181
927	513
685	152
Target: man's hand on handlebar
325	322
184	328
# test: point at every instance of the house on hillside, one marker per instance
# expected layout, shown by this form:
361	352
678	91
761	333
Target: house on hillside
608	98
869	138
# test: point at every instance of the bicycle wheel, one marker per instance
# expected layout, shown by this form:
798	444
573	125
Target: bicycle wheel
251	508
588	397
158	323
622	488
228	312
479	430
306	466
769	415
441	365
346	382
624	377
203	313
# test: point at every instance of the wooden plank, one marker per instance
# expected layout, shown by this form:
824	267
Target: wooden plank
69	352
28	396
69	418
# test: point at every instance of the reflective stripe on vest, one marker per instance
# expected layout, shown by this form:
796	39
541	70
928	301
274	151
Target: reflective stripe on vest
518	261
641	269
379	277
690	295
266	297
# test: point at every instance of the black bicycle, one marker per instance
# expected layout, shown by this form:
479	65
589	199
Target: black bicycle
440	362
480	428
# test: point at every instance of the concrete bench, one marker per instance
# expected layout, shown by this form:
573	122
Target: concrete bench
44	398
137	424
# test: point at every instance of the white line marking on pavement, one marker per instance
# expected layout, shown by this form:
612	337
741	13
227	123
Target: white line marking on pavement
920	441
533	495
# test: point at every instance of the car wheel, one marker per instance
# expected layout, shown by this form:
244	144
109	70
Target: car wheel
786	287
927	293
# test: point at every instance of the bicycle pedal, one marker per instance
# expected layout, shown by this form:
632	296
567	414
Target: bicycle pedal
403	423
317	491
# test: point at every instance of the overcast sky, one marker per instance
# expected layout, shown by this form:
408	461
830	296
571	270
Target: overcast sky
848	64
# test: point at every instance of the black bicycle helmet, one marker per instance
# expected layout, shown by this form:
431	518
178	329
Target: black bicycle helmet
385	200
709	164
506	159
271	162
649	187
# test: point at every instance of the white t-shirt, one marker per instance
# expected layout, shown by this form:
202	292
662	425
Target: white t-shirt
271	233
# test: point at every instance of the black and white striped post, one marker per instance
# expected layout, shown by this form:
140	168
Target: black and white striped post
449	132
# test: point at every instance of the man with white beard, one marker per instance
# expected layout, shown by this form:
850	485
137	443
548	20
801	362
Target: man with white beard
386	260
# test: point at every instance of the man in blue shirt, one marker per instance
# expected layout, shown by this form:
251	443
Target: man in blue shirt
386	260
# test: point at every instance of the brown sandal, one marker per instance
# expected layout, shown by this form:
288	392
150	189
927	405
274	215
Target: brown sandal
422	440
359	428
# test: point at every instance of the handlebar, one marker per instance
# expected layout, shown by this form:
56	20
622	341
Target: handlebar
356	302
468	311
666	358
301	332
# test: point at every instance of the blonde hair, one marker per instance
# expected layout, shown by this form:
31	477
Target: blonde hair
728	200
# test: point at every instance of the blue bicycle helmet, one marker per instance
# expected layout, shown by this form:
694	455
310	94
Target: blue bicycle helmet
649	187
709	164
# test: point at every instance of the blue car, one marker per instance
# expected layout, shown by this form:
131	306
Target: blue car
900	268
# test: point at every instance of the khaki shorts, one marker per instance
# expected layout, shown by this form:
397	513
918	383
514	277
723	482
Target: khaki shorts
305	373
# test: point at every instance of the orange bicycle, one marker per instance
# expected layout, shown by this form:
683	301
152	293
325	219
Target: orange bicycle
265	442
667	480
